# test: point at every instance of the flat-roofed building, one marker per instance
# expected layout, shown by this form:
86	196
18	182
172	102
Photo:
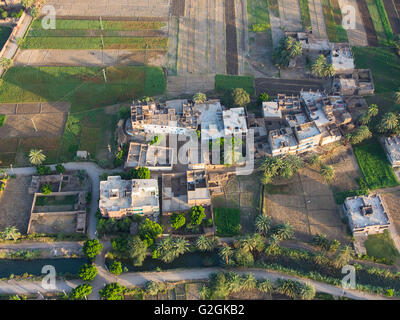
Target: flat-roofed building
209	117
155	158
289	103
307	135
271	111
392	148
197	188
234	121
120	198
366	214
342	58
282	141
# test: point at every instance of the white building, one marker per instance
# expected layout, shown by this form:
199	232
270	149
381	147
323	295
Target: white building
366	214
342	58
271	110
120	198
392	148
234	121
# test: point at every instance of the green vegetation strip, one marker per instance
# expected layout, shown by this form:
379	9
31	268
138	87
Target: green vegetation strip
137	43
334	28
385	20
305	14
2	119
258	15
107	25
376	21
227	221
384	64
381	246
374	166
225	83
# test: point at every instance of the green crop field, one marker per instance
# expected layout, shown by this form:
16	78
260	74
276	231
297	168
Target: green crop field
333	18
384	64
258	15
374	166
377	22
381	246
227	221
305	14
226	82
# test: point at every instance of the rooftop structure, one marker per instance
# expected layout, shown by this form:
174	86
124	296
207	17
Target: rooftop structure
309	43
234	121
156	158
209	117
282	141
392	148
119	198
197	188
175	117
366	214
271	110
342	57
359	82
307	132
315	103
289	104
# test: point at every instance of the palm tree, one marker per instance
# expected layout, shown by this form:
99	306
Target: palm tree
273	246
11	233
396	97
204	244
328	172
343	257
234	281
365	118
248	281
328	71
181	246
36	157
203	292
315	160
263	224
284	231
373	110
265	286
251	242
389	122
317	67
296	49
307	292
226	253
199	98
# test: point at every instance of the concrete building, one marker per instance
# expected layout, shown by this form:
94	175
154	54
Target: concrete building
358	82
155	158
308	136
309	43
120	198
197	188
341	58
289	104
209	117
282	141
234	122
392	148
271	111
366	214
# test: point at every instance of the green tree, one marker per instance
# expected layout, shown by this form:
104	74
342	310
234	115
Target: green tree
152	288
116	268
197	215
46	189
149	231
6	63
177	220
263	224
36	157
139	173
204	244
265	286
396	97
203	292
169	249
199	98
112	291
273	245
284	231
240	97
60	168
360	134
318	66
226	252
91	248
373	110
248	281
87	272
343	257
296	49
27	3
327	172
328	71
389	122
243	257
136	250
263	97
81	292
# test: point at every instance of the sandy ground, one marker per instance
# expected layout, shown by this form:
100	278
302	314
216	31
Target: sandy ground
357	36
90	58
16	213
289	11
178	85
111	8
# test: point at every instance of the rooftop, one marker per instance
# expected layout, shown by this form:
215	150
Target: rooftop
307	130
315	101
393	147
210	118
342	57
144	155
283	137
271	110
234	121
366	211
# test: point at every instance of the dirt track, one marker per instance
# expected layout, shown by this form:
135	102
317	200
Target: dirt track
231	38
367	22
274	86
393	15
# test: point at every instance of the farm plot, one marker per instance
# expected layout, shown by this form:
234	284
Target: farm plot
376	21
368	24
201	45
333	20
393	15
231	38
307	203
289	11
357	35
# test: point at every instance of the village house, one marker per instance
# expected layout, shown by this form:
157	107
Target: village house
392	149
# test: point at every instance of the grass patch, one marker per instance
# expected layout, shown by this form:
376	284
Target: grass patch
227	221
95	43
376	21
56	201
2	119
4	34
333	18
258	15
374	166
381	246
84	87
305	14
68	24
384	64
385	20
224	83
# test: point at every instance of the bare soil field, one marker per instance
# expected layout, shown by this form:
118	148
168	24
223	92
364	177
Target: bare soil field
231	38
367	22
110	8
393	15
16	213
275	86
189	85
289	11
317	19
357	36
177	8
201	39
54	224
391	201
90	58
306	202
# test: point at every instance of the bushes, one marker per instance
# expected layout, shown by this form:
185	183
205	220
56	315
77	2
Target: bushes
46	189
260	27
112	291
43	170
197	215
149	231
81	292
177	220
116	268
111	226
92	248
152	288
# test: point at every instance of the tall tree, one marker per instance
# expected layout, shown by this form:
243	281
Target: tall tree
263	224
199	98
226	252
36	157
